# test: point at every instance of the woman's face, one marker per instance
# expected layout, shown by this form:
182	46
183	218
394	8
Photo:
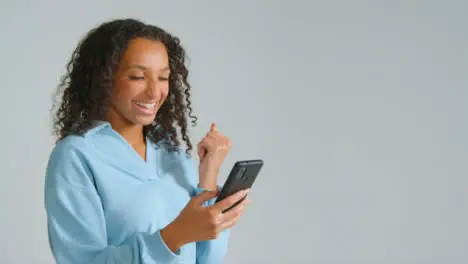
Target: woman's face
141	83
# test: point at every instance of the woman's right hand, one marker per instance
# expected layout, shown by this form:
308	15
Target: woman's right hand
197	222
212	151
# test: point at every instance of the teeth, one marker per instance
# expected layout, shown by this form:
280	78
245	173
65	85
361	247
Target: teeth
145	105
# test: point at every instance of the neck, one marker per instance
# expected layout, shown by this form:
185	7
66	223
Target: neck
133	133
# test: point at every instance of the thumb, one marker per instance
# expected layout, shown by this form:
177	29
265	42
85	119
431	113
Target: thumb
204	197
213	127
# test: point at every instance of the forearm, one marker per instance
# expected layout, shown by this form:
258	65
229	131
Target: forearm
173	237
207	177
78	236
213	251
208	186
135	248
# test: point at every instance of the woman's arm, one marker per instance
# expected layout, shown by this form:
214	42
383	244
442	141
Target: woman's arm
212	151
212	251
208	251
75	218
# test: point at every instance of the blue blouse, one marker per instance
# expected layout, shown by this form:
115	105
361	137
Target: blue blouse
105	204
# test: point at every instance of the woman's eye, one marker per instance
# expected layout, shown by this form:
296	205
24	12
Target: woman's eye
163	79
137	77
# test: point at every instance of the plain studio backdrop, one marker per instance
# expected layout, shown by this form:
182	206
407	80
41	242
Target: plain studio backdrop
358	108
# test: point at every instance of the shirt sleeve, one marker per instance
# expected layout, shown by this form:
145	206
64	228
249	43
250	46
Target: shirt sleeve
76	222
212	251
209	251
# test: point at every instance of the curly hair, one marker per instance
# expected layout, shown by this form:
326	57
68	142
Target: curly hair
87	85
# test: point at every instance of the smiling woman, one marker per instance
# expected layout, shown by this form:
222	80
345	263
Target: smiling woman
118	64
142	82
119	186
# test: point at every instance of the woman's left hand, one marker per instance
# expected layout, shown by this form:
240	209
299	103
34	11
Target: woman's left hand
212	150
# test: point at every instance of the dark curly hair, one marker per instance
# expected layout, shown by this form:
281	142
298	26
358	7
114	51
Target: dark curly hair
87	85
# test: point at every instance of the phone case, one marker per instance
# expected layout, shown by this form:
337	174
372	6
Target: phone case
241	177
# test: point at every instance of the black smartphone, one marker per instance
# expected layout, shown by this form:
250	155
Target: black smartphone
241	177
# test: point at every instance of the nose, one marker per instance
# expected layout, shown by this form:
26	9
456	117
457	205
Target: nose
153	89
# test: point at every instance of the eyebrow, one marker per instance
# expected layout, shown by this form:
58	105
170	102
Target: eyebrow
139	66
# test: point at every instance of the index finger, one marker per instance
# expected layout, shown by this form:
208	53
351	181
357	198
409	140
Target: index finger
230	200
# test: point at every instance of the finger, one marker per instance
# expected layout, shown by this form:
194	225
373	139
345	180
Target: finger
231	214
201	150
234	220
203	197
205	145
214	134
209	142
230	200
214	130
219	140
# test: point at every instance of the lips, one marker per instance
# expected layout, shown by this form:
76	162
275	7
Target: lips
146	108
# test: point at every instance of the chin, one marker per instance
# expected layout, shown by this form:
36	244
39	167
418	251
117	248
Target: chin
144	121
142	118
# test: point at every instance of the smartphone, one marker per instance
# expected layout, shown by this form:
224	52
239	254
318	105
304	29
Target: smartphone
241	177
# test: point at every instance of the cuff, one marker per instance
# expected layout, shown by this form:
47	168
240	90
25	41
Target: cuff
161	250
210	202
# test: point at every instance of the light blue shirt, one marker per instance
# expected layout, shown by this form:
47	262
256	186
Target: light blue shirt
105	204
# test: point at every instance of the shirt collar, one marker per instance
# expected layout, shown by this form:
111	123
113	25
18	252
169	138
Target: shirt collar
97	126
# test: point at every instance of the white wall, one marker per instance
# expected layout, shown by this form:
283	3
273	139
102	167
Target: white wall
359	110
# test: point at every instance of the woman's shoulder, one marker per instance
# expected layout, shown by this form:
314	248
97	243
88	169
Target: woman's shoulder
67	162
75	144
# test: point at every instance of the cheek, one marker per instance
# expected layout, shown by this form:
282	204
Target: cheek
125	91
165	92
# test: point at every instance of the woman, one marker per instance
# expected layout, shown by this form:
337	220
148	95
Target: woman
120	188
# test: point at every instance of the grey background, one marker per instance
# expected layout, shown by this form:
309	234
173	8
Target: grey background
357	107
